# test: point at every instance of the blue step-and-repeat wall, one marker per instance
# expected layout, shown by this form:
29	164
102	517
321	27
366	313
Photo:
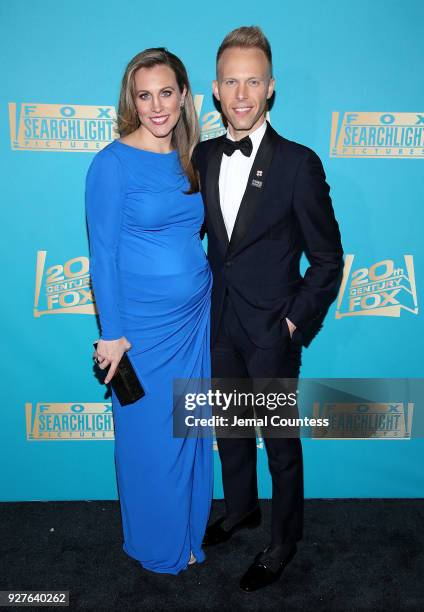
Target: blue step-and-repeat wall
349	85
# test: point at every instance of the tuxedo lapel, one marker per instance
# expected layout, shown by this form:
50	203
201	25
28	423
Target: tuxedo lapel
212	193
253	195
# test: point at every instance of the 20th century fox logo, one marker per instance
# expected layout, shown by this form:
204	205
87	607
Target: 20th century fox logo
60	127
63	288
388	135
211	121
382	289
211	125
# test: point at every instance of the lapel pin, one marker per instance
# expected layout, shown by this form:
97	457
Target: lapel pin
256	183
258	172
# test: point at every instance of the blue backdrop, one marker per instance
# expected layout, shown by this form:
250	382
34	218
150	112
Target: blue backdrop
348	86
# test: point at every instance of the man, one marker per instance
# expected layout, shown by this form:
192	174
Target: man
267	202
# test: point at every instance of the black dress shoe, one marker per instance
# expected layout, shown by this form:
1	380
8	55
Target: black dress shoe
216	534
263	572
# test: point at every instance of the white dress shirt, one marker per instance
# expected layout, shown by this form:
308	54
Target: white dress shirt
233	177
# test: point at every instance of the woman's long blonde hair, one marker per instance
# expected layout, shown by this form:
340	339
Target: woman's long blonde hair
186	133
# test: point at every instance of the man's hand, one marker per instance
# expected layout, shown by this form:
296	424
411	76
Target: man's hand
291	327
109	352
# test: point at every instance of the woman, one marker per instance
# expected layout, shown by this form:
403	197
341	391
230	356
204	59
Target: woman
152	285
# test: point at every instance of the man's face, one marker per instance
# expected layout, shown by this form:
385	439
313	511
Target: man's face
243	86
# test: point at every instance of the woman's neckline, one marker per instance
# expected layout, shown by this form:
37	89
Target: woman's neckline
144	150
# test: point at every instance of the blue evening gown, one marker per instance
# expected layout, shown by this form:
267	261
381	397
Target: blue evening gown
152	284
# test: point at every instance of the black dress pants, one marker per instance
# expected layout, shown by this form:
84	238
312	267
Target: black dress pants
235	356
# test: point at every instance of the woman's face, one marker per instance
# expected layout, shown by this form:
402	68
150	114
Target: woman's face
158	99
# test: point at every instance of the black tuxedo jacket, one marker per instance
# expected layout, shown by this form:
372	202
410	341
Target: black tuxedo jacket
286	210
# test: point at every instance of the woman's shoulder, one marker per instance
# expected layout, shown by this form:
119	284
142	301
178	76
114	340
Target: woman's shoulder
107	159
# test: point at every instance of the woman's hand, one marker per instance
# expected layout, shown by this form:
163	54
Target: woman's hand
109	352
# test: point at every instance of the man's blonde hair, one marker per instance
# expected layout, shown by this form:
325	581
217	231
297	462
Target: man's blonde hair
246	37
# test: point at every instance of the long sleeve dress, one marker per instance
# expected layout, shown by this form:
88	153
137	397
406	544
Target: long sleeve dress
152	284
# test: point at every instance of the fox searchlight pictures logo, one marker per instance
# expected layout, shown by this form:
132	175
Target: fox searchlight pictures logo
60	127
370	134
67	421
84	128
381	289
371	420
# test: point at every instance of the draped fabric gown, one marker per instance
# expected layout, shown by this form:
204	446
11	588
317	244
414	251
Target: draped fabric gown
152	284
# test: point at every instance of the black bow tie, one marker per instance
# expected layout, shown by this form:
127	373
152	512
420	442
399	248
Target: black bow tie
245	145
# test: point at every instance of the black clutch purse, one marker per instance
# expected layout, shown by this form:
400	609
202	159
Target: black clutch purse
125	382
